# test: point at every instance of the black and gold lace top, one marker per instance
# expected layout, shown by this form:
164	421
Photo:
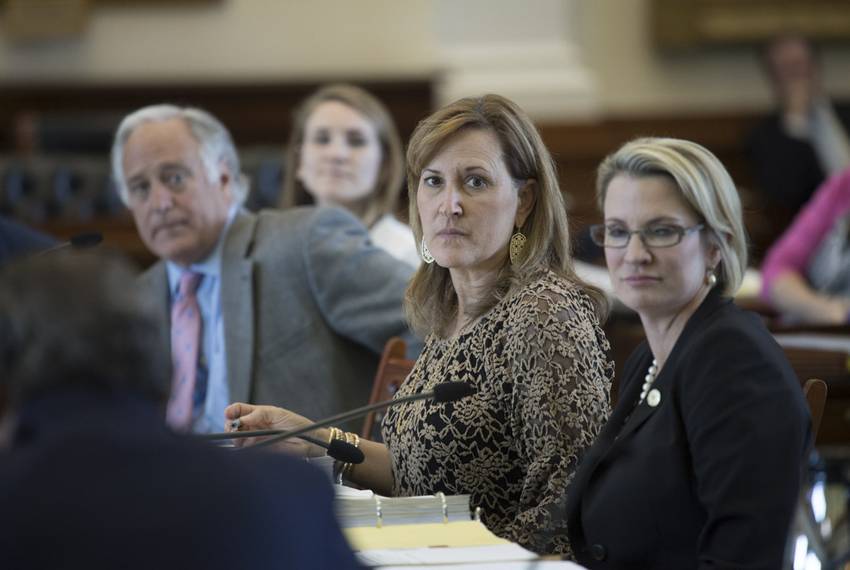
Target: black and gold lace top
538	363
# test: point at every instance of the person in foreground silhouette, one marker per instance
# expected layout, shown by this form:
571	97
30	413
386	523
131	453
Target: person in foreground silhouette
91	477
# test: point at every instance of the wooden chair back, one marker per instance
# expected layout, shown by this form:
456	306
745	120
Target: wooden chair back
815	391
392	370
827	358
828	365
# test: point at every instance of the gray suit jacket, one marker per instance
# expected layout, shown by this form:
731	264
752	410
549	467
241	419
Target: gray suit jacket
308	303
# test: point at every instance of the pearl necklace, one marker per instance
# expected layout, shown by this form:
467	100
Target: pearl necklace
651	373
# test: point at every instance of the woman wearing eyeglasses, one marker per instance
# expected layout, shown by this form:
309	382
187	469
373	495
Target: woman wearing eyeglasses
699	465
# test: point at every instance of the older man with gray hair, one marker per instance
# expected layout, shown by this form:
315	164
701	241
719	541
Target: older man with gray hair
287	308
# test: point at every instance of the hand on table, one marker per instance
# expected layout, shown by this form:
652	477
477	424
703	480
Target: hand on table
253	418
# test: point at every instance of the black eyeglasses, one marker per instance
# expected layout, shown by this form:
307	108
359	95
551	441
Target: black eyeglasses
655	235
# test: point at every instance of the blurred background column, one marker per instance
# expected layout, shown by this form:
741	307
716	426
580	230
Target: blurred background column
526	51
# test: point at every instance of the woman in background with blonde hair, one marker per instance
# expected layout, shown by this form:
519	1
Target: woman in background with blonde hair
344	151
504	312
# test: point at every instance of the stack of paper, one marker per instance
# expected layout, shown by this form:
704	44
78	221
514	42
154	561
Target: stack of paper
458	555
413	535
375	511
439	535
445	546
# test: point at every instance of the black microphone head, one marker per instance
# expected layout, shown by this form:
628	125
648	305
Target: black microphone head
345	452
451	391
88	239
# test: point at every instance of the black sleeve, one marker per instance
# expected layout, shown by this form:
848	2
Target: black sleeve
748	428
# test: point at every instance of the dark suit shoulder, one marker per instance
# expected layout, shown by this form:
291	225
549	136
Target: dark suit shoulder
153	273
277	233
272	239
724	332
730	359
303	218
729	324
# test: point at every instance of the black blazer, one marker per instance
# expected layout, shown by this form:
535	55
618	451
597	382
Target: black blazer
97	482
709	477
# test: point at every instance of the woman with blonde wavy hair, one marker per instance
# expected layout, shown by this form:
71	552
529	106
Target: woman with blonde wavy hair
503	311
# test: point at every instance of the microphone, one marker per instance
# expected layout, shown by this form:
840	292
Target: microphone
78	241
442	392
87	239
450	391
339	450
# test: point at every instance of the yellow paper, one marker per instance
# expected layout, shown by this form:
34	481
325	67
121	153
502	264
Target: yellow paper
463	533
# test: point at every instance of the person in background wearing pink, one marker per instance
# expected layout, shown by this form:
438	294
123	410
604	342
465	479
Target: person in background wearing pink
806	274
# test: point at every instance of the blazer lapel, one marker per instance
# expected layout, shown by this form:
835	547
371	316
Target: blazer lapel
641	413
628	417
663	383
237	305
625	419
603	445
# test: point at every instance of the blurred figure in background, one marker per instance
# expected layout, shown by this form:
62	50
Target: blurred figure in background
90	466
806	274
806	140
345	151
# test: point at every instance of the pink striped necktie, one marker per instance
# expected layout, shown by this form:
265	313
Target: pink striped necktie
185	346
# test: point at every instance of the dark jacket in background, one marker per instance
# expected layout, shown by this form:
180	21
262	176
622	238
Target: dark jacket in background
17	239
787	170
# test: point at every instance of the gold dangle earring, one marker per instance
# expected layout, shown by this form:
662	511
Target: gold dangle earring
425	252
517	246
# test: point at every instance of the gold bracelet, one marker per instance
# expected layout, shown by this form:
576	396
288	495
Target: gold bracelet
335	433
352	439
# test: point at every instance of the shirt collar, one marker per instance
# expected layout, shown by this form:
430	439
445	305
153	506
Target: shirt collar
209	266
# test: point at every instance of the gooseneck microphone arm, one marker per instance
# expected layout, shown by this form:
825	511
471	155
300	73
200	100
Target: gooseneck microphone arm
79	241
338	449
443	392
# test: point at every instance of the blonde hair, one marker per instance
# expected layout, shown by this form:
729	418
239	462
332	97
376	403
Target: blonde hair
431	301
384	198
704	184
